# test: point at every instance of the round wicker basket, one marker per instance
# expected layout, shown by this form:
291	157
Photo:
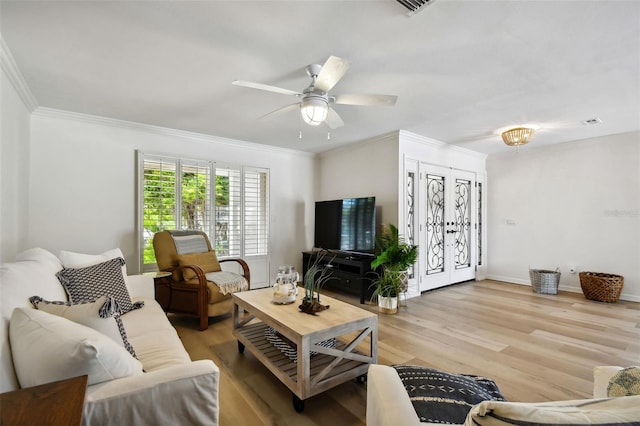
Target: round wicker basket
600	286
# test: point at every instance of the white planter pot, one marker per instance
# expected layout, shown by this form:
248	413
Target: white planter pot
388	305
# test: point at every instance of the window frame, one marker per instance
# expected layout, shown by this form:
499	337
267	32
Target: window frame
213	166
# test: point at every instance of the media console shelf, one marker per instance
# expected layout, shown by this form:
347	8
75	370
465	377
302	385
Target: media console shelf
352	273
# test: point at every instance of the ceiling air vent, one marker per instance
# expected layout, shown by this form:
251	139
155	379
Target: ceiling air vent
414	6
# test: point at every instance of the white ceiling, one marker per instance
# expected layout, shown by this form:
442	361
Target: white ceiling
460	69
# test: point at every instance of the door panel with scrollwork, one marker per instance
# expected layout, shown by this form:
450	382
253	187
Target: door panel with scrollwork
448	240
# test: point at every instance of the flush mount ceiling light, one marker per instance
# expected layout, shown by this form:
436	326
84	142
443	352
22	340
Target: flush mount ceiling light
517	136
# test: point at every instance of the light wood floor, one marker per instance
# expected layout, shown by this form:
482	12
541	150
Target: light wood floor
536	347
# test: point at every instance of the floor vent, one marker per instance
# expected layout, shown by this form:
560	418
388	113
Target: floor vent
415	6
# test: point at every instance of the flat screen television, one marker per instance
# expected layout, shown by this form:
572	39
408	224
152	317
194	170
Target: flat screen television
347	225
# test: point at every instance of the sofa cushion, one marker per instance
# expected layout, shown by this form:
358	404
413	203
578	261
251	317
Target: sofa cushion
71	259
91	314
207	261
156	341
625	382
618	411
440	397
103	279
48	348
33	272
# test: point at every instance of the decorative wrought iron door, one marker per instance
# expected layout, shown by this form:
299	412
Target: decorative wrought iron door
449	237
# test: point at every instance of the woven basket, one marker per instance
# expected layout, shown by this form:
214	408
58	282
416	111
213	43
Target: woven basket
600	286
544	281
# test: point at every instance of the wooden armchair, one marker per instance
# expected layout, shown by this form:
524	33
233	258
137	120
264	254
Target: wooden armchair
197	285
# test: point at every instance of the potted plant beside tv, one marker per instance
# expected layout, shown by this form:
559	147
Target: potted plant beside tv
394	258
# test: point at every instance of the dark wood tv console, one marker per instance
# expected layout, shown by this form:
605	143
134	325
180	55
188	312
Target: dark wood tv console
352	272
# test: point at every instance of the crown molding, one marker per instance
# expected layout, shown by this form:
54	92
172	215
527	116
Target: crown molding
158	130
389	136
10	68
414	137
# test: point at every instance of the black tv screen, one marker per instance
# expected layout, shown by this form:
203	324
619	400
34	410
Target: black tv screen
346	225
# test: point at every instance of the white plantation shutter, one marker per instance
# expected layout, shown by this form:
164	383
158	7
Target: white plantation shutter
228	230
158	201
229	203
256	208
195	198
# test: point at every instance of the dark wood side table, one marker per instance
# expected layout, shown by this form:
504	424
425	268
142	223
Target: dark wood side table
56	403
162	284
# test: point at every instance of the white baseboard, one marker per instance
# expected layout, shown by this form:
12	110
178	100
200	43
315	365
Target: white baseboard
572	289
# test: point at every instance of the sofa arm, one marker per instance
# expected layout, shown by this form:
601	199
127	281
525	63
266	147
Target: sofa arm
140	286
180	394
387	400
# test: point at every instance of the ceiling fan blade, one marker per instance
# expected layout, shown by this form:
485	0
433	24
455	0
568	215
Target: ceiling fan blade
266	87
333	120
332	71
281	110
366	100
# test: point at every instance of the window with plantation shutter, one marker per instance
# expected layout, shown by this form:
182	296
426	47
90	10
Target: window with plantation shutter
229	203
195	205
256	207
228	231
158	201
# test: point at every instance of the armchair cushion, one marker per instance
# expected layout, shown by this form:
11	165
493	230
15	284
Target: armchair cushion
103	279
207	261
47	348
189	242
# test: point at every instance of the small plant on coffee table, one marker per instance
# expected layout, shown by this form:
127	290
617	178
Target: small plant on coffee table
316	276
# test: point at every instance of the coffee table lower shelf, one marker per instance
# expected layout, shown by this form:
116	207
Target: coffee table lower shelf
322	375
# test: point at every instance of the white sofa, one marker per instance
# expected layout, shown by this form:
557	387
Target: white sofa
388	404
171	389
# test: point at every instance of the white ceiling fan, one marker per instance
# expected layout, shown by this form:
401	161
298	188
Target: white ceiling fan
315	101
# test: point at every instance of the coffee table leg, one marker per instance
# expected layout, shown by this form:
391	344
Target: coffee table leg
298	404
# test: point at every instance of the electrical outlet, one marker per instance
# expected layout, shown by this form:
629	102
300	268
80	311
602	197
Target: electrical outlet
510	221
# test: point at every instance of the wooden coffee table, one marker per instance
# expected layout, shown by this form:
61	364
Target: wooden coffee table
355	331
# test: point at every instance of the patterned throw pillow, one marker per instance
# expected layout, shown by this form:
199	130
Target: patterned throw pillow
440	397
625	382
104	279
99	315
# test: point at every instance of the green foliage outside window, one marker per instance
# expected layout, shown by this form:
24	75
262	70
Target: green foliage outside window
159	211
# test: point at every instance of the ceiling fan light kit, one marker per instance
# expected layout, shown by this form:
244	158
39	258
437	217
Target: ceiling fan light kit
517	136
314	110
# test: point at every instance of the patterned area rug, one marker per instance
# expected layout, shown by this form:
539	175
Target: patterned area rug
440	397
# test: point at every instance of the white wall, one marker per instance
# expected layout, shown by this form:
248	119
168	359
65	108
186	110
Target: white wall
573	203
14	173
367	168
82	192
